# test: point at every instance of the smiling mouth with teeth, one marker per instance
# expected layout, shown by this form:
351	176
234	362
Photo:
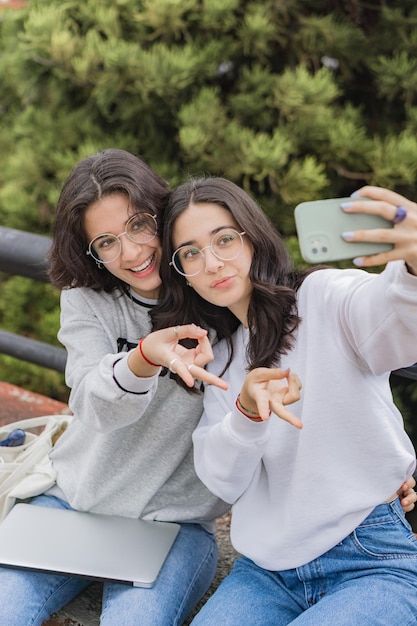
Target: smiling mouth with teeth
144	265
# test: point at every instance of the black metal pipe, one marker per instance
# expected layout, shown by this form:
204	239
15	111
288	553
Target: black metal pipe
407	372
24	254
33	351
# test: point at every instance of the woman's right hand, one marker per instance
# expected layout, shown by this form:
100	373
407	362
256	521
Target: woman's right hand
403	235
162	349
407	495
271	389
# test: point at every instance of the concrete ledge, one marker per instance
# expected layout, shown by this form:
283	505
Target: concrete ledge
17	404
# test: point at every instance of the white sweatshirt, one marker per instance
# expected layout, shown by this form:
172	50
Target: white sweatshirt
296	494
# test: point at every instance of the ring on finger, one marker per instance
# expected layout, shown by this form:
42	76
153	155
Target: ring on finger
190	366
171	363
400	214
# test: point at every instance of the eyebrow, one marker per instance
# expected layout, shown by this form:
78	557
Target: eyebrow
191	242
105	233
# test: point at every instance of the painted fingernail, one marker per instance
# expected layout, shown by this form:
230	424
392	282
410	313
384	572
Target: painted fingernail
348	235
346	205
358	262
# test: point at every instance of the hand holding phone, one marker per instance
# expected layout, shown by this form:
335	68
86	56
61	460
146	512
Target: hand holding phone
320	225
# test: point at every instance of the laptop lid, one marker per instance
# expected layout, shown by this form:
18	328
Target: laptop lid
99	547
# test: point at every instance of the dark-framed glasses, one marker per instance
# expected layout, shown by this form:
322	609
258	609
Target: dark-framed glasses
140	228
226	245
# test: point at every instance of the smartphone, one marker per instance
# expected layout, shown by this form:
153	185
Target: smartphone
320	225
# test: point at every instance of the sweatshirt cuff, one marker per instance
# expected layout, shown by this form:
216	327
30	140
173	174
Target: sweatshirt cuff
127	380
400	272
244	429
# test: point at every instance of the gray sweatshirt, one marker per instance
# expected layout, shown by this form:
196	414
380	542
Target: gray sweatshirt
128	450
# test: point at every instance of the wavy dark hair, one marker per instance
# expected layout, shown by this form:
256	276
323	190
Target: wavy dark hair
272	314
109	171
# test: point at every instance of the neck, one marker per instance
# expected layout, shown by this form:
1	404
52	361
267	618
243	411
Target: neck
242	315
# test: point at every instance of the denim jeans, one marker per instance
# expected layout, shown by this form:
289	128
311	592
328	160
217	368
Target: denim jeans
29	598
369	579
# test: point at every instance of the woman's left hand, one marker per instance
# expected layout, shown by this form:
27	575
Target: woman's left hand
407	495
403	235
271	389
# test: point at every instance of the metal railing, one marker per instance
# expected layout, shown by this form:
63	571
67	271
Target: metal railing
24	254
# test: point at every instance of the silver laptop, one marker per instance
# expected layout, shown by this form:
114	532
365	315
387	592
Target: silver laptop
100	547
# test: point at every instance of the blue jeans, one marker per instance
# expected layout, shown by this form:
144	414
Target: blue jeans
368	579
31	597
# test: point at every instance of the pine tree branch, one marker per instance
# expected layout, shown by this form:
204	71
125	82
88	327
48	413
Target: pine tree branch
342	171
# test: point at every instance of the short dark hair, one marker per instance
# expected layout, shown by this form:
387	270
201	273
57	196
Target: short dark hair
106	172
272	314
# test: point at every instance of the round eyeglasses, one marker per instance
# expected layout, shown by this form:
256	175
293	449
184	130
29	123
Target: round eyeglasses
226	245
140	228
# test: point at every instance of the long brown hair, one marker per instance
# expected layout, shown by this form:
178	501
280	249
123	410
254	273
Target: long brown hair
272	313
109	171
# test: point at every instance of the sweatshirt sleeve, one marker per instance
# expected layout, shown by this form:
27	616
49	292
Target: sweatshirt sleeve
228	447
375	314
227	454
98	376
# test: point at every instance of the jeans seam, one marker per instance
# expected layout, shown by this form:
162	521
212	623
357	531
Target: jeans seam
380	557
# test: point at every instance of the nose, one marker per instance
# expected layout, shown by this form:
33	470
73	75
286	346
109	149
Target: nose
211	262
129	248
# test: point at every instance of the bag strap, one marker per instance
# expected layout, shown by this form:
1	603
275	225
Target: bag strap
34	422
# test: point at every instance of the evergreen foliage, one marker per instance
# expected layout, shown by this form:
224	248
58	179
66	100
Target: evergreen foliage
293	99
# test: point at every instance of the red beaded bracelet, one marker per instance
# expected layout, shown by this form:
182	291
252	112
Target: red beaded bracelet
249	414
143	356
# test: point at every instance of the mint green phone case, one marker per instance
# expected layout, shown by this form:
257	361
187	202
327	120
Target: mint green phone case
320	225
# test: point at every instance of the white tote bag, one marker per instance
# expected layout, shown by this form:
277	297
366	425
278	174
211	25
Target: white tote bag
26	470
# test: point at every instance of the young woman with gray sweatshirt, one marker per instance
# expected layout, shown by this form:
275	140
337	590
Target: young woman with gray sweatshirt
128	450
